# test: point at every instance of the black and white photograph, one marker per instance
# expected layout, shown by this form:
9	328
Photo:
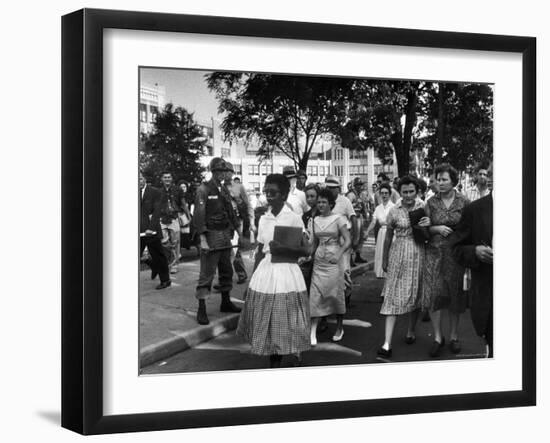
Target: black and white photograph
291	221
247	221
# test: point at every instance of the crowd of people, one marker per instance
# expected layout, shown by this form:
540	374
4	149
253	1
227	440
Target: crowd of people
433	248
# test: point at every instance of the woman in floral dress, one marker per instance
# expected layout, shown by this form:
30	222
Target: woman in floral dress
442	287
402	260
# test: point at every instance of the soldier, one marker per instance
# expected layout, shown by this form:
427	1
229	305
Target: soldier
354	195
215	222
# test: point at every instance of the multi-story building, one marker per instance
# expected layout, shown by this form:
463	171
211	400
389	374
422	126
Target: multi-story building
252	172
347	165
151	100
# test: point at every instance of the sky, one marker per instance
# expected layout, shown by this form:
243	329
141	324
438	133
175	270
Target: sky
185	88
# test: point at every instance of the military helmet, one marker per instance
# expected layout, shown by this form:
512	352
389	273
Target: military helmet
217	164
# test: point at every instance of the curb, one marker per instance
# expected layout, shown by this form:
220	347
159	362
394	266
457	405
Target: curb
361	269
166	348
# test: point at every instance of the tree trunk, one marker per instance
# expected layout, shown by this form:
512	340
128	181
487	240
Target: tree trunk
410	121
302	163
440	123
401	156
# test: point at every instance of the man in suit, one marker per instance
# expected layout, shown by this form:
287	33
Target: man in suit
150	233
471	244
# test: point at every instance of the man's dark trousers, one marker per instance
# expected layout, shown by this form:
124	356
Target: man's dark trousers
159	262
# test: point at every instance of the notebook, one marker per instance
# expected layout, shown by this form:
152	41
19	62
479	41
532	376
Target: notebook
290	236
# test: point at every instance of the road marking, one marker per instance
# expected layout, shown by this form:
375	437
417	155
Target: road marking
334	347
353	322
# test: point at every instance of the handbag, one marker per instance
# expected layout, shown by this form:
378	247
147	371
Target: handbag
419	233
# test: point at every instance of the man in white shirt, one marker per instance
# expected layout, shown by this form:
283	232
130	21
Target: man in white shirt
481	188
432	188
296	199
344	207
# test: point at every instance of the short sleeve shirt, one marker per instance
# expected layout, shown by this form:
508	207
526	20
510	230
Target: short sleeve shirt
268	221
344	208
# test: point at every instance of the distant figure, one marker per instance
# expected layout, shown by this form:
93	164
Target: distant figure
296	198
380	217
301	179
360	208
432	188
169	221
481	187
383	178
151	233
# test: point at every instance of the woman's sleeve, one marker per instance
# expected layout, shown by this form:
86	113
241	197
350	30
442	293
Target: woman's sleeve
260	236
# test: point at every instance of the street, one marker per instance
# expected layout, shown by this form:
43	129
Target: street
364	333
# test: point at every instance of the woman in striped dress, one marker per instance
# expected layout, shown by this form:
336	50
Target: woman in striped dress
275	319
402	260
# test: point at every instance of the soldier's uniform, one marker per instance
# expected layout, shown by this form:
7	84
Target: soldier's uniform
215	218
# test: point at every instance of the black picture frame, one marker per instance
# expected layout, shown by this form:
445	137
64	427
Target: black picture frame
82	218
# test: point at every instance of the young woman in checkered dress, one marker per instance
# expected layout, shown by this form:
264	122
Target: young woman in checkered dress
275	319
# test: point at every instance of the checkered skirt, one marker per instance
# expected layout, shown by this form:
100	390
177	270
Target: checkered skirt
275	318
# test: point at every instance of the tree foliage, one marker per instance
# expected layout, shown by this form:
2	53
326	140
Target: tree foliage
444	121
175	144
383	115
458	127
280	112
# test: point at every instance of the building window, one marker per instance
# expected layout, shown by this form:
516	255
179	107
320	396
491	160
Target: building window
143	112
321	170
153	112
238	169
314	170
253	170
255	186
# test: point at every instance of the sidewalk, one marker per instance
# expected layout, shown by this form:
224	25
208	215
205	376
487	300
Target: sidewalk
168	317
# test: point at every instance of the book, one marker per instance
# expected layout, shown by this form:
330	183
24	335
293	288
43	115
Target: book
289	236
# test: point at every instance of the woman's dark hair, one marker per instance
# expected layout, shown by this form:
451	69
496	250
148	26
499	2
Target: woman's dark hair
446	167
327	193
482	165
385	186
281	181
313	186
409	180
183	182
422	184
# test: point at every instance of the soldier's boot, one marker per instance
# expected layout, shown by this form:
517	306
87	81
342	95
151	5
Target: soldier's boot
202	318
227	305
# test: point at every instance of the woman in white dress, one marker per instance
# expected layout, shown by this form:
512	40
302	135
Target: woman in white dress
275	319
380	216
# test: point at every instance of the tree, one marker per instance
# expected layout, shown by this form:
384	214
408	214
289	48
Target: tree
280	112
383	115
458	128
175	144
